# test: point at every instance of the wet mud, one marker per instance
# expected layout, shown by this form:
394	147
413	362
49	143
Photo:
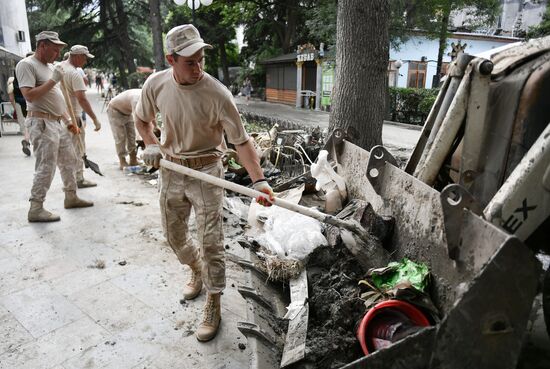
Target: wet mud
335	308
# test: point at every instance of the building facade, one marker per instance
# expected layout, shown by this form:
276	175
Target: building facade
414	64
15	40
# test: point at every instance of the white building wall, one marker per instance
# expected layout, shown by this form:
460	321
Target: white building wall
13	18
420	46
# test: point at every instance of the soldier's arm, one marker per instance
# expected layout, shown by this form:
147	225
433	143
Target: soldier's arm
33	93
85	104
145	130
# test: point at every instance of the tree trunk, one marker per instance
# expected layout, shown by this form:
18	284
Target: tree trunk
122	32
120	52
362	54
442	42
223	62
156	28
290	26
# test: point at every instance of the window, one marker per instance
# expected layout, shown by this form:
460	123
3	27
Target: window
417	74
393	73
20	36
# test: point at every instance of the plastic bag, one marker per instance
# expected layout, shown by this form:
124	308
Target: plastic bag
286	234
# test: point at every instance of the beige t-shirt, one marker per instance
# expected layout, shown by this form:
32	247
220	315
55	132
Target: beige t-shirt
10	88
194	116
74	82
125	102
31	72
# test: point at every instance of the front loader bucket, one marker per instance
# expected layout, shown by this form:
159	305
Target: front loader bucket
484	280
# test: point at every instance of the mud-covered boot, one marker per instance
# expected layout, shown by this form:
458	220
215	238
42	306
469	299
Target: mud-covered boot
194	286
133	159
26	147
211	319
37	213
73	201
84	183
122	162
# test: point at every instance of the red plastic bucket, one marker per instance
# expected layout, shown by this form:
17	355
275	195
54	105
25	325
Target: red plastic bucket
378	321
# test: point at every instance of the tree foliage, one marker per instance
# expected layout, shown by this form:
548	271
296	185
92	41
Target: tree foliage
216	24
543	29
103	26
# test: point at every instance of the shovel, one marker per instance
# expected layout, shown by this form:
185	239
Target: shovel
352	226
87	163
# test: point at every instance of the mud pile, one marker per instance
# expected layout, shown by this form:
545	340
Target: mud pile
334	308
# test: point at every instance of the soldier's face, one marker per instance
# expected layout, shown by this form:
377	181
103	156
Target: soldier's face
79	60
51	51
187	70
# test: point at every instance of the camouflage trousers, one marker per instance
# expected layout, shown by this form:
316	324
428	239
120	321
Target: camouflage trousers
51	146
124	132
180	193
79	143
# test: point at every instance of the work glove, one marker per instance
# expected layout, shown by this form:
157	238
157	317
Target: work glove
73	128
97	125
57	73
152	155
262	186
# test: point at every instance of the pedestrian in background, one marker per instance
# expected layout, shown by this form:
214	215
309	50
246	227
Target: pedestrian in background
50	126
19	105
196	110
99	83
76	89
247	89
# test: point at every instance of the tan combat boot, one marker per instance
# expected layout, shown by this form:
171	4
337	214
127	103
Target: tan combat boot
194	286
37	213
122	162
133	159
73	201
211	319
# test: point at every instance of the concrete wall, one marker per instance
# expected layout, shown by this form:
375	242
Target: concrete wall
13	18
420	46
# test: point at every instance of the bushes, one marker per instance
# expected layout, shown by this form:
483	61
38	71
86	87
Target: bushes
410	105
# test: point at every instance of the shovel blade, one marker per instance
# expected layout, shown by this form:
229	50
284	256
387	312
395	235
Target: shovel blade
93	166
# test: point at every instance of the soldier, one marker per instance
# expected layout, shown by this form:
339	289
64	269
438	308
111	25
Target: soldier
50	126
196	110
120	112
76	88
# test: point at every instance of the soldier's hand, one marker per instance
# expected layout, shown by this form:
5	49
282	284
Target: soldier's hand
262	186
97	125
57	73
152	155
73	128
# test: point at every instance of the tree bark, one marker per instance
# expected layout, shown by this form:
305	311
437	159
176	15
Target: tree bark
442	41
223	62
120	47
122	31
156	28
290	26
362	54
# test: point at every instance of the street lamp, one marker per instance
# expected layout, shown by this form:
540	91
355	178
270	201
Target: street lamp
194	4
